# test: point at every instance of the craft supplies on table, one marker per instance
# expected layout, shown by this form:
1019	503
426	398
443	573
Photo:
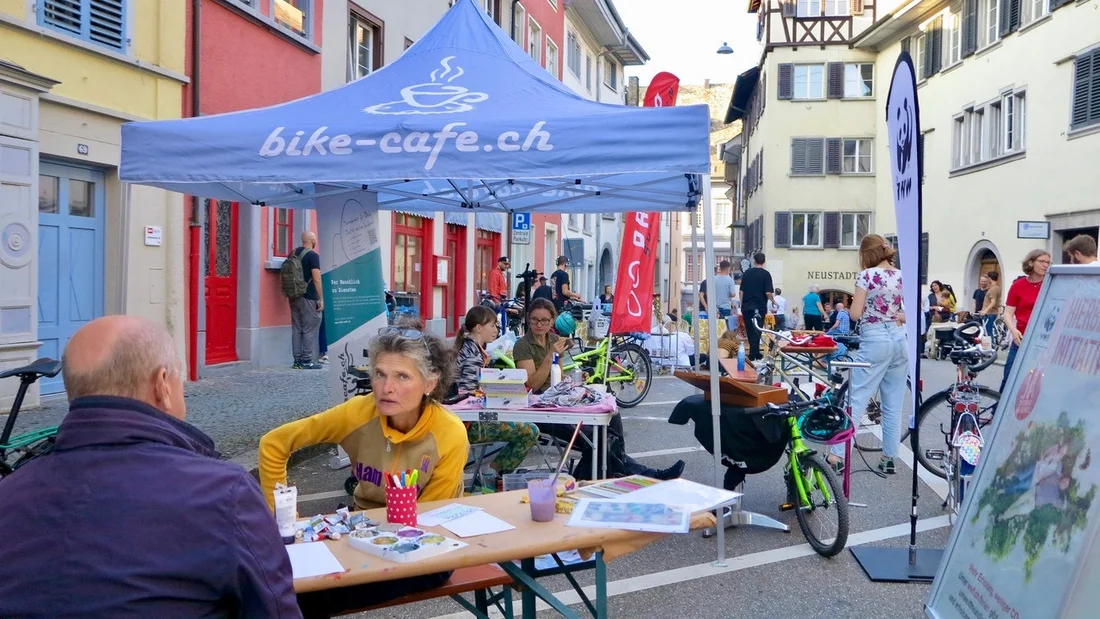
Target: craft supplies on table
542	498
503	388
446	513
404	545
649	517
401	494
477	523
694	496
614	488
286	510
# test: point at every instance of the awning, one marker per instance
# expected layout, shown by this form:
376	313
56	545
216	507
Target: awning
742	94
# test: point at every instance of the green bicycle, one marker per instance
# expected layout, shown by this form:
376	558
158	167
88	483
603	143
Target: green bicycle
813	491
619	363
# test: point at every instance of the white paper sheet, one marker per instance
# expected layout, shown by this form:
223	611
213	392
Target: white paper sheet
696	497
477	523
312	559
446	513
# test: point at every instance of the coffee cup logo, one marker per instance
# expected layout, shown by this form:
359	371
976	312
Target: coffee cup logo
438	96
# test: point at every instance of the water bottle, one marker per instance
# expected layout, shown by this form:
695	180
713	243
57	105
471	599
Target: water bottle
555	372
741	357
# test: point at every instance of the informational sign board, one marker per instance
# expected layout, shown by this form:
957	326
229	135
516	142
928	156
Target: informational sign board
351	275
1033	229
521	228
154	236
1025	545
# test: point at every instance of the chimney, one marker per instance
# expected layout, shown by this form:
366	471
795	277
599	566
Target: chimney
706	84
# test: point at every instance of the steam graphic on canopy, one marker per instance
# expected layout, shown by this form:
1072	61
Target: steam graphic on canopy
438	96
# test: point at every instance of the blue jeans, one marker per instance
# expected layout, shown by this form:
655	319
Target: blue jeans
841	350
884	347
1008	364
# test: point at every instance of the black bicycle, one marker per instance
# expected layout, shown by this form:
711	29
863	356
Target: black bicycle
16	451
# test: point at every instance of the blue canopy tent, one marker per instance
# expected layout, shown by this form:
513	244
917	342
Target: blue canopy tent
464	121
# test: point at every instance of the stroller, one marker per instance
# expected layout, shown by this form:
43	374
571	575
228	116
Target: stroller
751	444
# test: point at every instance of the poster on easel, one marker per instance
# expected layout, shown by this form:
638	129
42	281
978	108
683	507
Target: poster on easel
1026	540
351	275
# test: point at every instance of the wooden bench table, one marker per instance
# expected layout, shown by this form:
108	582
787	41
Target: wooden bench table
522	544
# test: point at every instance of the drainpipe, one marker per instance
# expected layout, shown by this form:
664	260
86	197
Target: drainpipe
195	284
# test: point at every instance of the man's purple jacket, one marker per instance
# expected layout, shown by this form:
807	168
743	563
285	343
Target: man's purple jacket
133	515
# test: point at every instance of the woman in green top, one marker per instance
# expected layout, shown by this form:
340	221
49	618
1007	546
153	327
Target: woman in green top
812	311
534	352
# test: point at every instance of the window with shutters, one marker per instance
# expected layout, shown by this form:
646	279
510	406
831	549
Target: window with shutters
809	8
807	156
990	131
294	15
519	17
853	227
958	141
723	214
1032	10
859	80
858	155
588	72
836	8
534	40
573	55
953	24
805	230
101	22
1086	91
989	22
610	74
922	53
551	57
809	81
738	241
978	147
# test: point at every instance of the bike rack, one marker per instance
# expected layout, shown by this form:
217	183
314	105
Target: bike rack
848	366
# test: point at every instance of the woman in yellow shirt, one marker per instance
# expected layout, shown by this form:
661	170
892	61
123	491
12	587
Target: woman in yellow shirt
399	426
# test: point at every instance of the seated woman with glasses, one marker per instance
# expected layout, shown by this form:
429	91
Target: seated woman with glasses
535	352
399	426
479	330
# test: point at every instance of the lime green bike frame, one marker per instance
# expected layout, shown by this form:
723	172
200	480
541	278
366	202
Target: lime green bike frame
796	449
602	354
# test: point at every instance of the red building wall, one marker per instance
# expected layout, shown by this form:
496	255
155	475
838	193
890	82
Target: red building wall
245	64
552	21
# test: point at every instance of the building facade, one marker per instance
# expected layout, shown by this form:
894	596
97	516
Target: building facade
75	244
1009	98
812	106
250	54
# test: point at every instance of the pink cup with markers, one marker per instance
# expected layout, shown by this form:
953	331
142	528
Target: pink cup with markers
543	499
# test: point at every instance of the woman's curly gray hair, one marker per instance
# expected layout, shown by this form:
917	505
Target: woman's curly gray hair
432	356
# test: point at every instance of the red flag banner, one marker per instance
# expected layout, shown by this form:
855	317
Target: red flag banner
641	240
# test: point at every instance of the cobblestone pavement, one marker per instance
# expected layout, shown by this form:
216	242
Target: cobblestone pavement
235	411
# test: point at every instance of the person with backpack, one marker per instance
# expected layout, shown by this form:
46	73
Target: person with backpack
300	277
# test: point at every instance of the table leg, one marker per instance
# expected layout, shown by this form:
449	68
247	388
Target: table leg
601	586
533	590
596	453
606	445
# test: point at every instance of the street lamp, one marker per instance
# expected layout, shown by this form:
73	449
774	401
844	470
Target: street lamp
725	49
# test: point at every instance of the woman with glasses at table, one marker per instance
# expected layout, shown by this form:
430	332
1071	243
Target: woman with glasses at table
399	426
535	352
479	329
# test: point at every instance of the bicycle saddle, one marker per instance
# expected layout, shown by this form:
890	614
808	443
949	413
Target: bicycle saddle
851	341
41	367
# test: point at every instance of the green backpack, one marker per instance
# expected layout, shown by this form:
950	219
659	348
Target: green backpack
291	276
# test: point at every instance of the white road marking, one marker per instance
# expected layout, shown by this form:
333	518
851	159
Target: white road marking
733	564
665	403
320	496
666	452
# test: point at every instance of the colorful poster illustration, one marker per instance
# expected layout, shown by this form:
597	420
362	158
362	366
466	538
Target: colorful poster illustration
351	275
1032	514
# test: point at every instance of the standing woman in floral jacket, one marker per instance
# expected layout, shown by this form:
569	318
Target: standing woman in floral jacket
878	302
480	329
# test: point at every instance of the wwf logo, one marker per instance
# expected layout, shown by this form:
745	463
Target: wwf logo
904	141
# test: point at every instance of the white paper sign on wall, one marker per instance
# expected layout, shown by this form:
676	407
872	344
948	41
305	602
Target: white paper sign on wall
154	236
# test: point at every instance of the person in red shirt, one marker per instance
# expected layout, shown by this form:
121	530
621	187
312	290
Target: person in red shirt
1021	299
498	283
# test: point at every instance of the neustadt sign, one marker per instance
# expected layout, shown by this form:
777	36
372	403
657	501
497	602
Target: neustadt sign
837	275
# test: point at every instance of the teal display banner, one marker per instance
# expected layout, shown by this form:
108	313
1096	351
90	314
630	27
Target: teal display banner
351	275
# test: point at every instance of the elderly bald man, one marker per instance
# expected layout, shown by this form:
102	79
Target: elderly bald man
133	514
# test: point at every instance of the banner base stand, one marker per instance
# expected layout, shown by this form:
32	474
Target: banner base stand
892	564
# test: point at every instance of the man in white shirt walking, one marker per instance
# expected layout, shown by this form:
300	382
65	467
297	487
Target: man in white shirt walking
778	307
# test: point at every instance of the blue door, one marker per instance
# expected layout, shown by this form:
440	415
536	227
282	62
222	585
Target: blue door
71	207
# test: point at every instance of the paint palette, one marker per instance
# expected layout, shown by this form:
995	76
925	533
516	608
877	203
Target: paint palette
404	546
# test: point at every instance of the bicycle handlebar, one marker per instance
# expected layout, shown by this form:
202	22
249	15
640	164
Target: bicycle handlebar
789	407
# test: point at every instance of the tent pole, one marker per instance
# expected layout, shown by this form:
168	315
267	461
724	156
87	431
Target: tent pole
695	297
715	396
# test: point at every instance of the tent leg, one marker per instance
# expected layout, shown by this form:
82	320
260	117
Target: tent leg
735	517
712	348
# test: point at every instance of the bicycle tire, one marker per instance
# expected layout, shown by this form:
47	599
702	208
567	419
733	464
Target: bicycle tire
644	366
821	547
924	414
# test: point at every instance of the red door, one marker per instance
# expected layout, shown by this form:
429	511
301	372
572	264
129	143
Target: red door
454	295
220	248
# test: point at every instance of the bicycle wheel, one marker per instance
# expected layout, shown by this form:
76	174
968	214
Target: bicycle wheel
634	359
825	505
934	419
1000	337
873	416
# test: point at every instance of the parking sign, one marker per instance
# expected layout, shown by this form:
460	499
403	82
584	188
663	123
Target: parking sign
521	228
